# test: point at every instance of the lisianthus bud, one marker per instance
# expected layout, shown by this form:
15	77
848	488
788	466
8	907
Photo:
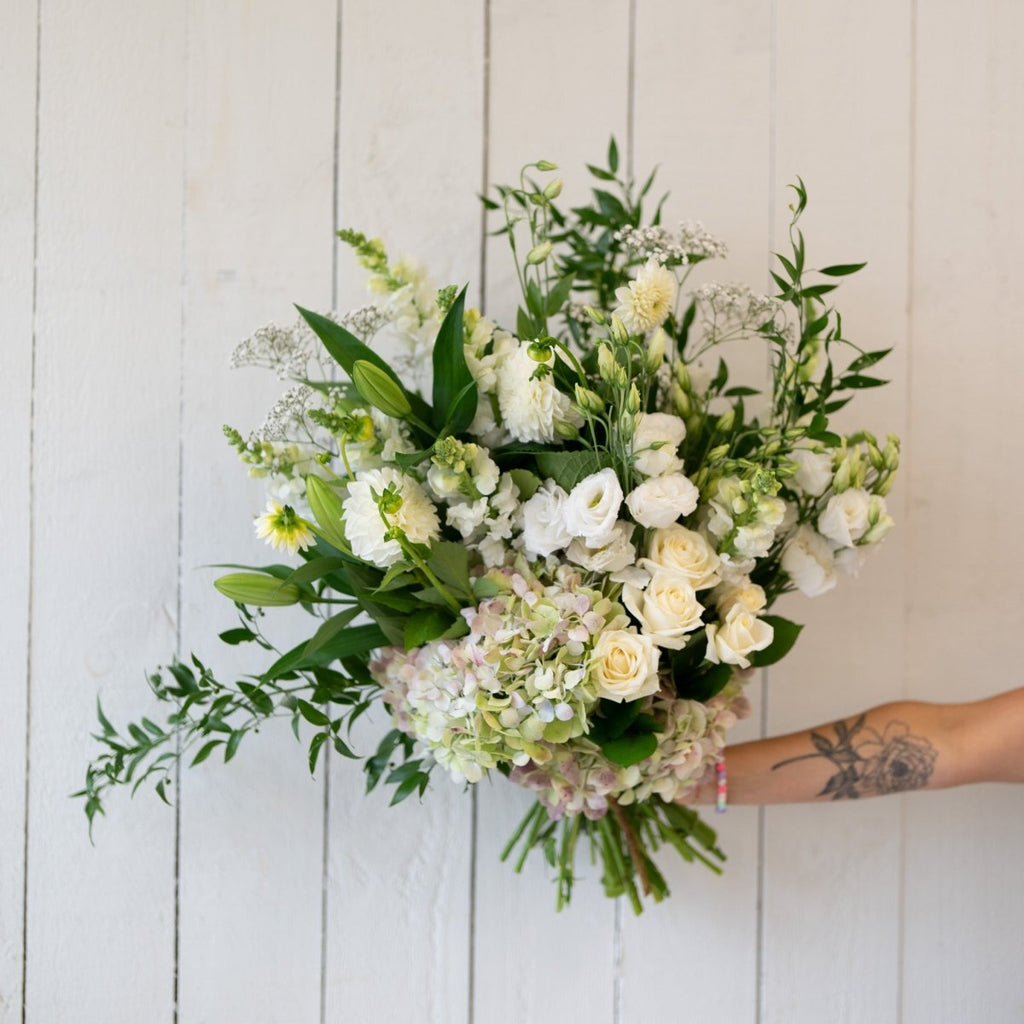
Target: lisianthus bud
554	189
539	253
655	350
606	365
726	421
633	400
718	452
596	315
566	431
681	400
841	480
891	455
589	401
546	165
682	374
619	333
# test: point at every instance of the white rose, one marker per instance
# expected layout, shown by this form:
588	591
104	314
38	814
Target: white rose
616	554
667	609
685	551
808	560
666	433
660	501
740	634
592	508
815	473
624	665
544	528
845	518
743	593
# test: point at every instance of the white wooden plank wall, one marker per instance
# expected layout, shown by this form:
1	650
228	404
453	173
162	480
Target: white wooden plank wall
174	184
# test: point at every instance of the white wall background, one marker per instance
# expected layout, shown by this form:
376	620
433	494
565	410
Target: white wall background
170	175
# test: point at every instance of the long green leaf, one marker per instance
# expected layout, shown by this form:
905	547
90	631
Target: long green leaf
455	394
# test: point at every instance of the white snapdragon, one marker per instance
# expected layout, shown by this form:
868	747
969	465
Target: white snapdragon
624	665
845	519
592	509
656	443
666	609
660	501
543	517
738	636
365	528
807	558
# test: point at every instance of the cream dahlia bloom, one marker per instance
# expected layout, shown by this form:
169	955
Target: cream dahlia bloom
530	407
416	516
646	302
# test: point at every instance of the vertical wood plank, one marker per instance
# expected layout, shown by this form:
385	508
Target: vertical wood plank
839	958
409	168
964	902
17	187
110	135
260	168
559	87
703	116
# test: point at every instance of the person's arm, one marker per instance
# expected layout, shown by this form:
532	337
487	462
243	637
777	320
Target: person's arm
894	748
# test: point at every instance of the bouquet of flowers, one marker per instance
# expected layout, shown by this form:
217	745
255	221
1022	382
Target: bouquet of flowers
547	547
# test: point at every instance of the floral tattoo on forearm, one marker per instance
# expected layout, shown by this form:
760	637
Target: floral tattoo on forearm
869	763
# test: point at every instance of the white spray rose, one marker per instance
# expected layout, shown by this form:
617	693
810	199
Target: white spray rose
660	501
618	553
684	551
544	530
667	608
845	518
738	636
364	526
742	593
815	473
624	665
808	560
658	428
592	508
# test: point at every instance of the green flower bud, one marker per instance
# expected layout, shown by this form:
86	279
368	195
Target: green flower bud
875	457
545	165
841	479
554	189
655	354
606	365
618	332
891	455
566	431
682	374
589	401
718	453
257	589
681	401
633	400
379	389
726	421
539	351
539	253
596	315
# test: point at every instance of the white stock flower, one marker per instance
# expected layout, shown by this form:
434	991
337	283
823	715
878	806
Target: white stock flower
624	665
660	501
592	508
807	558
667	608
646	302
544	529
684	551
530	407
654	428
845	518
466	516
742	633
365	527
616	554
815	473
753	540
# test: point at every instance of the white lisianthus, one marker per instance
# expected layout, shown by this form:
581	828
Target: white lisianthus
624	665
742	633
530	407
662	430
845	519
364	526
592	508
646	302
815	473
614	555
544	529
808	560
660	501
684	551
666	609
850	560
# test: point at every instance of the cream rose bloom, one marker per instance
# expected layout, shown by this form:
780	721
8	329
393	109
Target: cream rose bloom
660	501
624	665
544	530
808	560
684	551
646	302
845	519
742	593
666	609
665	431
592	508
739	635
